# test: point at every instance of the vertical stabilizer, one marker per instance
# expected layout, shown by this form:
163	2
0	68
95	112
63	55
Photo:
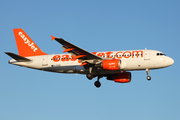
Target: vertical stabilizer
26	46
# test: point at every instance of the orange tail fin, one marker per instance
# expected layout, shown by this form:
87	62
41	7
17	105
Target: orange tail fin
26	47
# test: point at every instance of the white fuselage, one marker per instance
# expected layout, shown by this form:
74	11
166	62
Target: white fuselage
131	60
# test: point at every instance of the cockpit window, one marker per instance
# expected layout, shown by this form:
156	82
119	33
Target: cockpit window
161	54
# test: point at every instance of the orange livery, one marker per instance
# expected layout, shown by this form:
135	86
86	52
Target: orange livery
113	65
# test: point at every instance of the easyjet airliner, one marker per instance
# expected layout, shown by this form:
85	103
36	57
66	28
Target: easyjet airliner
114	65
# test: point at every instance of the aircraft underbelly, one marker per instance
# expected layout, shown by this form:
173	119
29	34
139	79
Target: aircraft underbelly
67	69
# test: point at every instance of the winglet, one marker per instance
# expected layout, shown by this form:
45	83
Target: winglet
52	37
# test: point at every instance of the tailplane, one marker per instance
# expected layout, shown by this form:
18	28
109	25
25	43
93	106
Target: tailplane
17	57
26	46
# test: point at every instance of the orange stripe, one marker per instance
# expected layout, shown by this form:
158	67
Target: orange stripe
80	56
85	63
69	49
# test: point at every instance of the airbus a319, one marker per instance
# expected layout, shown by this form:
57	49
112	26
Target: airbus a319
114	65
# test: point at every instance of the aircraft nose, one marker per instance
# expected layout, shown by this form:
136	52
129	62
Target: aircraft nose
170	61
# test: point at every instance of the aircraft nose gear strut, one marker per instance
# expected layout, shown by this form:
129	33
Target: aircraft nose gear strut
147	72
97	83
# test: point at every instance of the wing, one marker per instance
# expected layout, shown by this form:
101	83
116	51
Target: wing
78	52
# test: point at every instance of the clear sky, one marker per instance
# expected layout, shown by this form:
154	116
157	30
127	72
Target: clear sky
96	25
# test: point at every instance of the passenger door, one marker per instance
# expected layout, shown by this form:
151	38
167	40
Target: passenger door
146	55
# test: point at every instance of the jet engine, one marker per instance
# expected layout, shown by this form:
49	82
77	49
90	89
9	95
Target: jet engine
113	64
124	77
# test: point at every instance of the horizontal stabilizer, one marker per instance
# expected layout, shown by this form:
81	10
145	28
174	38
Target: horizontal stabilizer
17	57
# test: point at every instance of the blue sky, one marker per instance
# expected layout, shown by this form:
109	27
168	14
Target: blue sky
27	94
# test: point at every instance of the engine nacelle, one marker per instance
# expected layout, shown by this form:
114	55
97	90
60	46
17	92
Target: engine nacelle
124	77
113	64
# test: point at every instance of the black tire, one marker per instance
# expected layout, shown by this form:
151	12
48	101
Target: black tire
89	76
97	84
148	78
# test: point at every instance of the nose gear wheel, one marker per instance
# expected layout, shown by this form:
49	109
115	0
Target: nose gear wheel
148	78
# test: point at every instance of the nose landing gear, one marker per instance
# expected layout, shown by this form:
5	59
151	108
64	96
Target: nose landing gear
148	78
147	72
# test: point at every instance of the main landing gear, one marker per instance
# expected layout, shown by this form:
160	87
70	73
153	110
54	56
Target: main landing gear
147	72
90	76
97	83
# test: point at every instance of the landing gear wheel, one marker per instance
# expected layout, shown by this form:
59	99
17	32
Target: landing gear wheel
148	78
97	84
147	72
89	76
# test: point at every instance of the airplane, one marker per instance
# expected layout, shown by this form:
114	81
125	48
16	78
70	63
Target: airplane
114	65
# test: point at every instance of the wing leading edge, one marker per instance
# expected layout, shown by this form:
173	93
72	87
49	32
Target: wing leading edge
78	52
